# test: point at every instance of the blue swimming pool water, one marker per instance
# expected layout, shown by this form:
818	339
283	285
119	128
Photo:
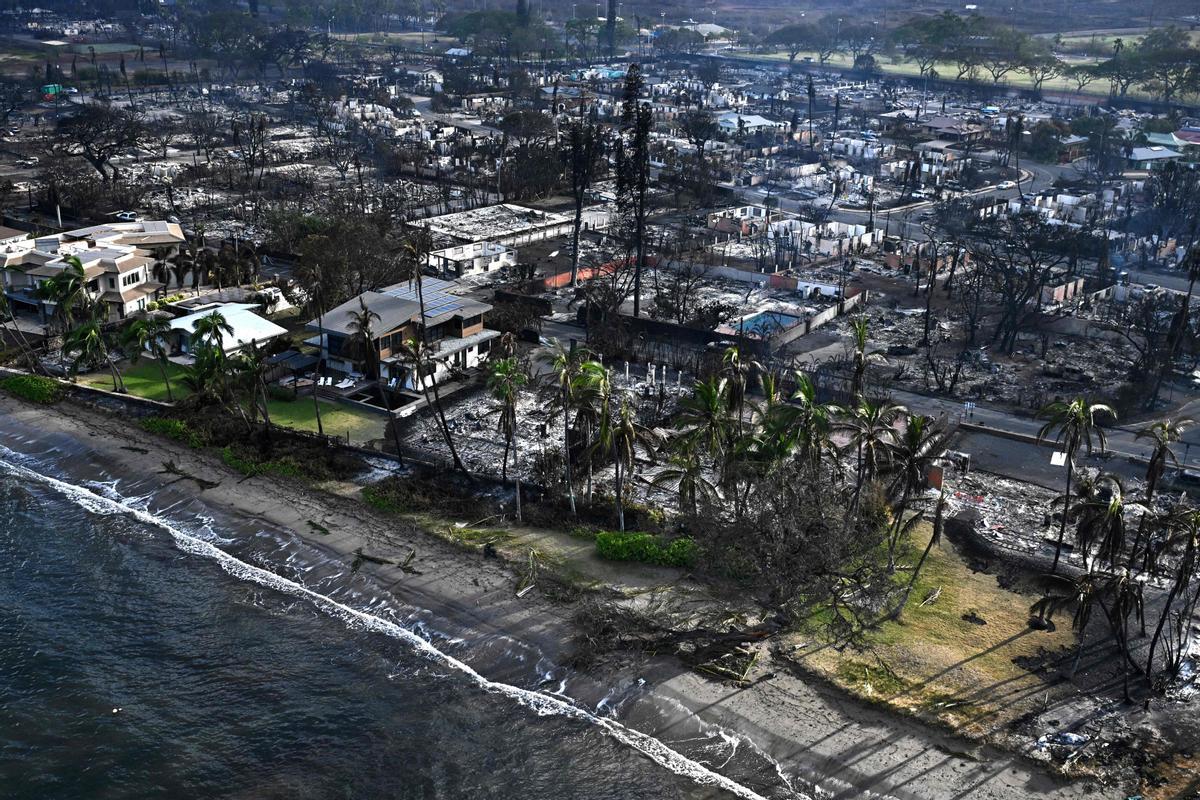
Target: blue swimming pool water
767	322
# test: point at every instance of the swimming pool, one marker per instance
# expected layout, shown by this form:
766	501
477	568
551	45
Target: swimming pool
765	323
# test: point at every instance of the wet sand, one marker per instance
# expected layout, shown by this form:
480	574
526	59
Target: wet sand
843	747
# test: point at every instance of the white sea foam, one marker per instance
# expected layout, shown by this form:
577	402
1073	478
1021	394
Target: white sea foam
540	703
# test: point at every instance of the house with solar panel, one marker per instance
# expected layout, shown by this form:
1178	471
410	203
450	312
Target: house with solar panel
452	326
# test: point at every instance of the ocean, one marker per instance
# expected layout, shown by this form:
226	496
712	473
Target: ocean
151	649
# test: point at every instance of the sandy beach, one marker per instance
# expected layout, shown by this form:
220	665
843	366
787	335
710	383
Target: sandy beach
839	745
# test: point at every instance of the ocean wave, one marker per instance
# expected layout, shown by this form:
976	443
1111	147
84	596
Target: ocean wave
541	703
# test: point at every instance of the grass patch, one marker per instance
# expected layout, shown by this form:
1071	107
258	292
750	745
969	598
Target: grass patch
143	379
933	662
415	494
34	388
336	419
176	429
870	680
250	466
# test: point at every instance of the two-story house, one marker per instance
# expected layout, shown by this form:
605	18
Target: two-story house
477	258
452	326
120	264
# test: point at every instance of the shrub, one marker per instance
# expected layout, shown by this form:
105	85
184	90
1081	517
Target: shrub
380	499
34	388
645	549
680	553
412	494
175	429
285	467
281	393
237	461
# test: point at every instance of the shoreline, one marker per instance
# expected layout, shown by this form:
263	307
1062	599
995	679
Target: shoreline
843	746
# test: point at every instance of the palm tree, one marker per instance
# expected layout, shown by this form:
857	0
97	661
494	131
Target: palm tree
704	419
211	330
912	453
1101	521
505	381
1088	589
1126	593
625	437
204	371
1184	525
871	434
564	369
251	362
415	248
750	459
813	421
1163	434
737	371
65	290
860	330
424	367
685	473
362	330
148	334
590	390
320	349
87	344
1073	425
6	314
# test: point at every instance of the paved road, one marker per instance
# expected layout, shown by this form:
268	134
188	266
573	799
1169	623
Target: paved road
1122	441
425	106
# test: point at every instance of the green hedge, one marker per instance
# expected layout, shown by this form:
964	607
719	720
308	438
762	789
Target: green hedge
175	429
34	388
644	548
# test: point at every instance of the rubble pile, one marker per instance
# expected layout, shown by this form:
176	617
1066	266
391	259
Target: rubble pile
1010	514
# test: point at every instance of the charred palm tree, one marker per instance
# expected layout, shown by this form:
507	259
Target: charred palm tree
1073	424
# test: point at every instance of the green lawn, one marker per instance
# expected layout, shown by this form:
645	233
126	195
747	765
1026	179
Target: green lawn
143	379
338	419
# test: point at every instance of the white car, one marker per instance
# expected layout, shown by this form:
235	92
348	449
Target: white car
1006	185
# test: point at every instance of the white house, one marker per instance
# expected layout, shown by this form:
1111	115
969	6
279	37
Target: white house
748	123
477	258
119	260
241	317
